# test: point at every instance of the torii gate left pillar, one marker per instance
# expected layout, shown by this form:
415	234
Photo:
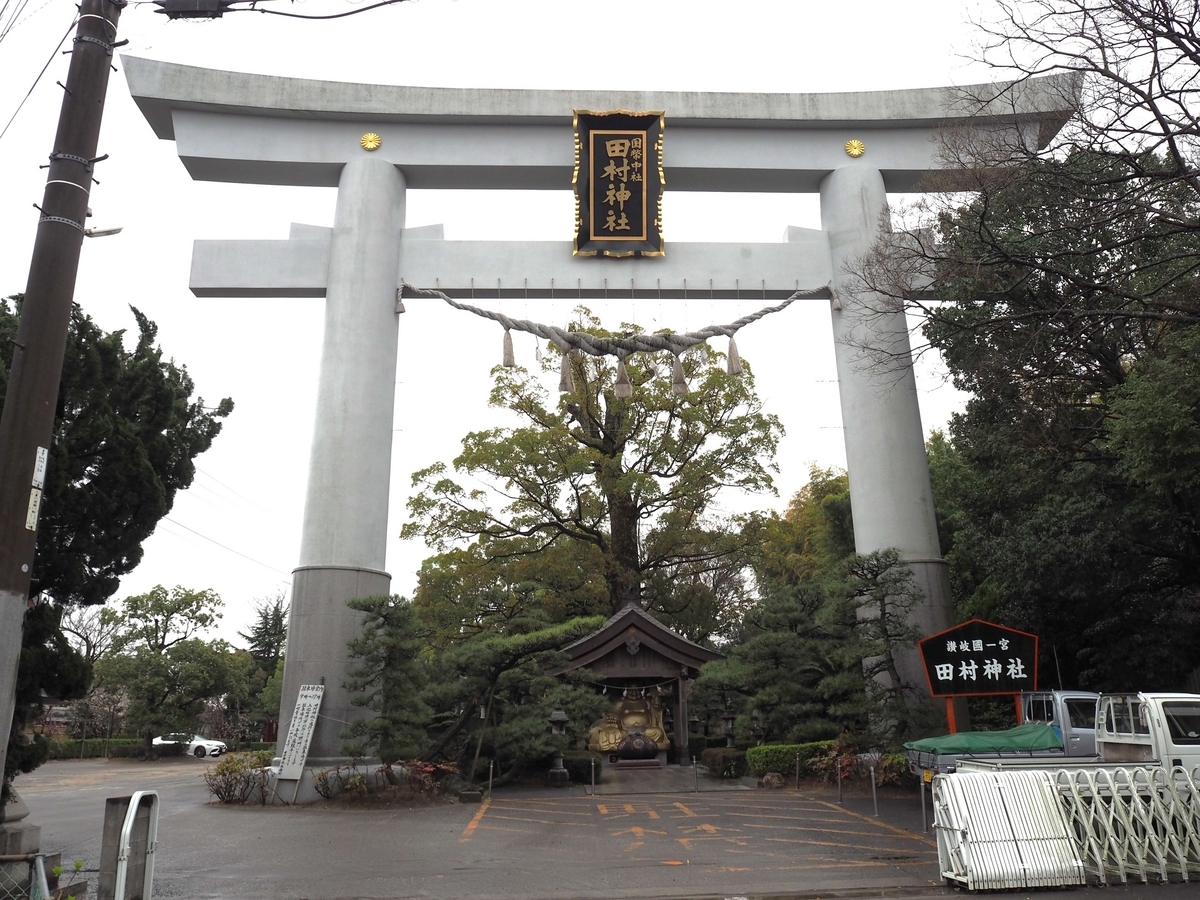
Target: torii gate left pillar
344	538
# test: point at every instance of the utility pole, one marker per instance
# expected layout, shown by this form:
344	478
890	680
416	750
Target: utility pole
27	424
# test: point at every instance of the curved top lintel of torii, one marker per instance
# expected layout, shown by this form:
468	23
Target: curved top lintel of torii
265	129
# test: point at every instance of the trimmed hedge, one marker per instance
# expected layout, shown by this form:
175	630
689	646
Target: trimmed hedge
781	758
724	762
118	748
92	747
254	746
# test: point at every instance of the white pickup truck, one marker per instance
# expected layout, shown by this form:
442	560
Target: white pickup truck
1145	730
1055	725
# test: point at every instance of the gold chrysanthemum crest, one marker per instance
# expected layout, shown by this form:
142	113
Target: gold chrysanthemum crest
371	141
855	148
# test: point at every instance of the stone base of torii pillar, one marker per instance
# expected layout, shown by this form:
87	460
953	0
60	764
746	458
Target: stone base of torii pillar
259	129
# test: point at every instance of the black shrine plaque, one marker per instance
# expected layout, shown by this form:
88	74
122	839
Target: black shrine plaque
618	183
979	658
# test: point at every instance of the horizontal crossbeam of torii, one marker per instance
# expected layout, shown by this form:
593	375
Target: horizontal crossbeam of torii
259	129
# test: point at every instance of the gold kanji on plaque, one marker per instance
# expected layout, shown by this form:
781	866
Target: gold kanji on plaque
618	183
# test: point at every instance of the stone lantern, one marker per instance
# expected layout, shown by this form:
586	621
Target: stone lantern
558	727
727	719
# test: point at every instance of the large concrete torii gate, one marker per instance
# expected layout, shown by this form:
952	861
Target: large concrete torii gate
256	129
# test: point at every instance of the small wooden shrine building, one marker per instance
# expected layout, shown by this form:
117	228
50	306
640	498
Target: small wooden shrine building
647	668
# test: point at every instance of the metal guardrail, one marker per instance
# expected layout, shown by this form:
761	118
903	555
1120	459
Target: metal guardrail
126	841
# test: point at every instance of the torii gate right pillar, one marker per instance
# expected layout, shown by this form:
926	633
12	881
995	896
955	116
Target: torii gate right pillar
890	492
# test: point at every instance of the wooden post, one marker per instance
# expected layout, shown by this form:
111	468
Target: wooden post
1020	710
950	715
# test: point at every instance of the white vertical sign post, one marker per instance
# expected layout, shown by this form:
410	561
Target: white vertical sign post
300	732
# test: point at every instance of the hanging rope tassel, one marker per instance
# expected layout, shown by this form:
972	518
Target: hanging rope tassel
623	387
566	382
509	359
678	381
733	362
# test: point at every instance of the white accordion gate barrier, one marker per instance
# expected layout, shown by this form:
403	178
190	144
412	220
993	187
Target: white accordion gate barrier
1142	823
1003	831
1012	830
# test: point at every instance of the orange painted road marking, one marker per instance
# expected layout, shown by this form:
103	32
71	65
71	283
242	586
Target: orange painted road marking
653	814
629	807
474	823
687	812
903	832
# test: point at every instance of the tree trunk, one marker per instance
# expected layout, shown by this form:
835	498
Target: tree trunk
623	566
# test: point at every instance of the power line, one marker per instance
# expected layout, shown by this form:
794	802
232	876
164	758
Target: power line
39	77
230	549
352	12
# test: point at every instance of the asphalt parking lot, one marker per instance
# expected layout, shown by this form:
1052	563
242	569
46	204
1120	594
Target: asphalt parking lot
519	844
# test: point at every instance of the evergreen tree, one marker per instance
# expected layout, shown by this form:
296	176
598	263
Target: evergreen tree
267	637
126	432
389	681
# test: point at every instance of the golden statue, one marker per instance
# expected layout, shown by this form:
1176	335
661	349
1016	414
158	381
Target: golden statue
633	713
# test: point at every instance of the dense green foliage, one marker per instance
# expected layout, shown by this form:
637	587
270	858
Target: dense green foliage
1069	490
485	691
49	668
817	652
724	762
388	680
125	436
126	432
781	758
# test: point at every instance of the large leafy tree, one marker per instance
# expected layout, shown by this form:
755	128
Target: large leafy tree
630	485
1067	491
166	670
126	433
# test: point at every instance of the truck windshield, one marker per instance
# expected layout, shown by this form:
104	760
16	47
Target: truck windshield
1183	720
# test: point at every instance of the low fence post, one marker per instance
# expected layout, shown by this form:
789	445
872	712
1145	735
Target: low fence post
874	796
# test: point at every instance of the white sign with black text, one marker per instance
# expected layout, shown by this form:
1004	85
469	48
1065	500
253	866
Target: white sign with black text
300	731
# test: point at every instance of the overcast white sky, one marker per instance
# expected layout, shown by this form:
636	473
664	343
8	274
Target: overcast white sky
237	530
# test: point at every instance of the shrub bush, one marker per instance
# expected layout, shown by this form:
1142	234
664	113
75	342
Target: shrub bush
782	757
238	778
724	762
256	746
578	764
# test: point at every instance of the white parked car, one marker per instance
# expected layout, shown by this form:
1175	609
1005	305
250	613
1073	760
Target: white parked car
197	746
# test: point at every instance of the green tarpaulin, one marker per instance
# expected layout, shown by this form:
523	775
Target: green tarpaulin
1031	736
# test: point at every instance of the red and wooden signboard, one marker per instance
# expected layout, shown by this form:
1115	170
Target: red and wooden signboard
979	659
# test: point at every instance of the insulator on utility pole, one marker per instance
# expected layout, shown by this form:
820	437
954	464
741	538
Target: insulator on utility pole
27	423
